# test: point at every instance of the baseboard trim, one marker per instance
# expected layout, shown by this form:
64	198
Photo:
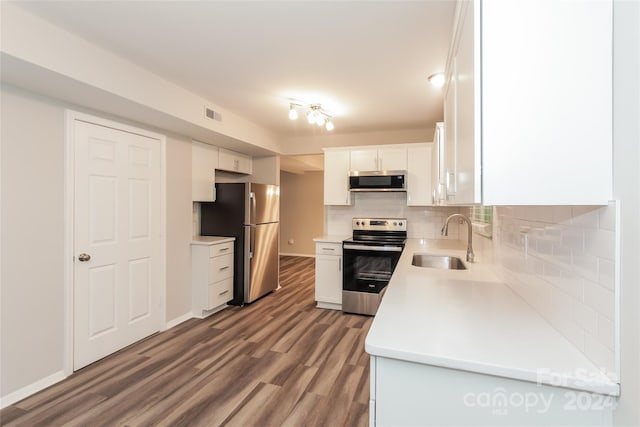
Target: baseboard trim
32	388
303	255
175	322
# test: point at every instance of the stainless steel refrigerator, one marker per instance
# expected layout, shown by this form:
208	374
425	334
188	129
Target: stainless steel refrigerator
250	213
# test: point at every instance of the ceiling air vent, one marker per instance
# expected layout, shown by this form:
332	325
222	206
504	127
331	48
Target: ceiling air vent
213	115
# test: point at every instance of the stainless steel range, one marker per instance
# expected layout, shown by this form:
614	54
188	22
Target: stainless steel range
370	257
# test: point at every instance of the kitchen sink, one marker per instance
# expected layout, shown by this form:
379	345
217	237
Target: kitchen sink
444	262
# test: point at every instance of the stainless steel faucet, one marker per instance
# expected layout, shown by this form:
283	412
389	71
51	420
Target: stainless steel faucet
445	232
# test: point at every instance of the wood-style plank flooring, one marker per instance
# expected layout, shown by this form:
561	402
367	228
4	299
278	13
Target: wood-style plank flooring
277	362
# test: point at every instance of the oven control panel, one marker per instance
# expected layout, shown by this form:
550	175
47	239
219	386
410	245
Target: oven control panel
379	224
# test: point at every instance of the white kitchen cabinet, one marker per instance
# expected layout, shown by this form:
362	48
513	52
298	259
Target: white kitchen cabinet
419	175
232	161
437	164
336	177
328	288
374	159
204	161
410	394
542	125
211	274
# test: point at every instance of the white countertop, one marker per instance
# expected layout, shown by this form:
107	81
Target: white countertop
468	320
210	240
330	239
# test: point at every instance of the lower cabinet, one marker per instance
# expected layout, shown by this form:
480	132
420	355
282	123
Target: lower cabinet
329	275
211	275
411	394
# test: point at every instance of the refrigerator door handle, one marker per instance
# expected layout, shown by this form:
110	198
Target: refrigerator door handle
252	217
252	240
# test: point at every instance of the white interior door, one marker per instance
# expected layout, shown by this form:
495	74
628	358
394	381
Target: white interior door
117	240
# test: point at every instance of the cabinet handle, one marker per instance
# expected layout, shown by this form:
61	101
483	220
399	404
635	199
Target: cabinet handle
328	249
223	249
340	264
223	268
224	292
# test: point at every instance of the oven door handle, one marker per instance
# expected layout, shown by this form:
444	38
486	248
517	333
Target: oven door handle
373	248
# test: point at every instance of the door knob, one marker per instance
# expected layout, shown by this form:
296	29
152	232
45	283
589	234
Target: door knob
84	257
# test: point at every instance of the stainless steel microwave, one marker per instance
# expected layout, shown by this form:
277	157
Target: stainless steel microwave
378	180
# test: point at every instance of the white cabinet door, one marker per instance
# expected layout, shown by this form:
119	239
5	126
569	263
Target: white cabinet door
547	113
336	177
541	137
374	159
204	162
467	127
329	279
234	162
448	172
419	171
392	159
437	164
364	160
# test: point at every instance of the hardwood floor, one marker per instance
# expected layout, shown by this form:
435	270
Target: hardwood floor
277	362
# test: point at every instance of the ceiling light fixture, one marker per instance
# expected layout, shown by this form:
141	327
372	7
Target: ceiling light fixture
437	79
314	113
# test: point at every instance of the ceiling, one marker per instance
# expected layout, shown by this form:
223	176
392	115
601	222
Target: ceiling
366	62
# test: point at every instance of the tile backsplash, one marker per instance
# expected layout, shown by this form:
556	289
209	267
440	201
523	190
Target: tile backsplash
423	222
561	260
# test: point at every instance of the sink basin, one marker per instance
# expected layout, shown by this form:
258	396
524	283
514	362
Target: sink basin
438	261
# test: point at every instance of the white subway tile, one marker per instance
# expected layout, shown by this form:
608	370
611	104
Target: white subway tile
600	243
599	354
573	239
586	317
586	266
606	332
607	217
585	216
566	281
606	273
561	214
600	299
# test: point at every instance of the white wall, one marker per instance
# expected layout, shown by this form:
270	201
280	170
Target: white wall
301	212
314	144
32	316
32	288
179	227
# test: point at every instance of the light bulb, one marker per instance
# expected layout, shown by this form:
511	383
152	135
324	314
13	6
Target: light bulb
329	125
437	80
293	113
320	120
311	118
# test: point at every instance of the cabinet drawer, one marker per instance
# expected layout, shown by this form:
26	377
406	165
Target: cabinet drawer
329	248
220	267
221	249
220	293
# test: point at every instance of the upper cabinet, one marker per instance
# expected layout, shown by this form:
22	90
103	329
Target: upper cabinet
232	161
437	175
374	159
420	175
204	162
336	177
416	159
528	104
